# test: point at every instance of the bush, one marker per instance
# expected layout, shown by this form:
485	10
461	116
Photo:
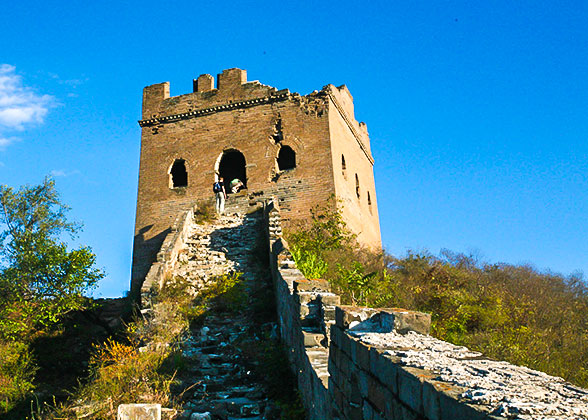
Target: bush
224	293
205	212
17	370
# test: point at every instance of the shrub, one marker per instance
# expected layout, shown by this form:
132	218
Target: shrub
17	370
224	293
309	263
205	212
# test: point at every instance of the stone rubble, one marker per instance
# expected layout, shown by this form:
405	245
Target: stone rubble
223	384
510	391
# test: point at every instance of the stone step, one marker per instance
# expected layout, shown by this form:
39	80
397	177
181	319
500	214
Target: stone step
227	387
314	339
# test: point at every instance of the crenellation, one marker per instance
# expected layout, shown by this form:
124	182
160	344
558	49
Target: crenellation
231	79
152	96
204	83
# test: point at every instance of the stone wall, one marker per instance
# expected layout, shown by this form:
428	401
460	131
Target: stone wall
373	364
172	246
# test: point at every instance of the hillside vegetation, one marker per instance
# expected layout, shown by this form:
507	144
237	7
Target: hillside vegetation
508	312
42	288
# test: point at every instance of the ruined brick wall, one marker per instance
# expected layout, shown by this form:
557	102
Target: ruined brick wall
258	121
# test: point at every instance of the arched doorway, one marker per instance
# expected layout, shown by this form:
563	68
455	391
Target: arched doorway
178	176
231	166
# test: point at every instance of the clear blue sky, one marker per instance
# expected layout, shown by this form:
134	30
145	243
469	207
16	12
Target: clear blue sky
477	111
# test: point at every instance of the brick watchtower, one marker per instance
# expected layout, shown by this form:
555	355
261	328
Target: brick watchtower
299	149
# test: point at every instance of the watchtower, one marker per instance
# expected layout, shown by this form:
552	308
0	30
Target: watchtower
298	149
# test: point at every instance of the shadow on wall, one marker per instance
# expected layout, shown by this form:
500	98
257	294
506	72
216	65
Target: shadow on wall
144	254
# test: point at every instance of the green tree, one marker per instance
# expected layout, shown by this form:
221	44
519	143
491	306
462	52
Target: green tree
40	280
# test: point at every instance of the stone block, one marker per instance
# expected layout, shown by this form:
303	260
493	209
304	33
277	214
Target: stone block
306	297
346	343
379	395
329	313
337	395
355	411
410	388
312	339
403	412
363	356
383	367
345	364
451	407
314	285
363	377
368	411
346	316
336	335
345	386
431	406
139	412
388	320
330	299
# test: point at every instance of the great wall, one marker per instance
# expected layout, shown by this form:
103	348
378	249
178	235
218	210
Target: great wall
350	362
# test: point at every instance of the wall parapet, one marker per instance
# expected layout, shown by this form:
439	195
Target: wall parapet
375	364
167	257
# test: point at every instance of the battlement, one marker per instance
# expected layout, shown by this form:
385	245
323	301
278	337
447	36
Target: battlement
232	86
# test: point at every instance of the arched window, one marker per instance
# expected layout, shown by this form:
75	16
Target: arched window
178	175
357	185
231	167
343	167
369	199
286	158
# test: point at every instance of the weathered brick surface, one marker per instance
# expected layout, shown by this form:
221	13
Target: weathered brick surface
256	120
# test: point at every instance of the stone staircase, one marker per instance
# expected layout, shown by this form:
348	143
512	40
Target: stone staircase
222	382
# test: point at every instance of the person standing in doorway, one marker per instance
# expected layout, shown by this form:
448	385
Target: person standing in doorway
220	194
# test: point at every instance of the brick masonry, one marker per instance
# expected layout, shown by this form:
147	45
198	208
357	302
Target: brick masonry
256	120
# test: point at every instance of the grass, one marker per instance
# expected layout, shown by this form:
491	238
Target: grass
205	212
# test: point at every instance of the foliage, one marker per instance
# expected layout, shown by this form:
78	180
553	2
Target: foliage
326	230
356	281
311	265
139	366
205	212
40	280
17	370
508	312
224	293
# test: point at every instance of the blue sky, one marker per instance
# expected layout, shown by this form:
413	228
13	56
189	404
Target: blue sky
477	111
